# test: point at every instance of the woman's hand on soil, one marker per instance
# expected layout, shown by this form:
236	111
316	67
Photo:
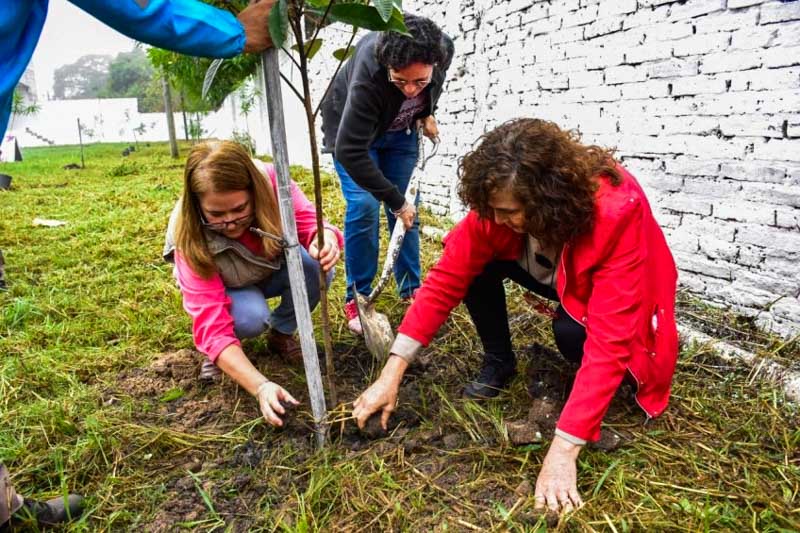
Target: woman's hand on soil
381	395
330	253
269	397
556	486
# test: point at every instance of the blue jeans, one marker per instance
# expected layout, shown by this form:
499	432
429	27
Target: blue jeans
249	309
395	153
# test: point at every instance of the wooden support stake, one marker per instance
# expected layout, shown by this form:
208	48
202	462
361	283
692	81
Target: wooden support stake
294	262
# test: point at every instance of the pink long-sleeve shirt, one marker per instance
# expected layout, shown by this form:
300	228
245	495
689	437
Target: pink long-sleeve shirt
205	299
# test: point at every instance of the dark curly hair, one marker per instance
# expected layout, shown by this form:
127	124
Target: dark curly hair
549	172
396	51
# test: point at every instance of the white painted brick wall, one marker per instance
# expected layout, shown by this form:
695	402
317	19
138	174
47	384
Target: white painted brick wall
700	97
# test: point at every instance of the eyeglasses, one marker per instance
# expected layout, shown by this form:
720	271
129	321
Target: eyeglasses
222	226
400	84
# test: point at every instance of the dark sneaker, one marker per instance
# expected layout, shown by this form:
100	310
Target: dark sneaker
495	375
285	346
49	513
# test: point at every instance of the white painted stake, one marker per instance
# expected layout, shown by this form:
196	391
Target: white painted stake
294	262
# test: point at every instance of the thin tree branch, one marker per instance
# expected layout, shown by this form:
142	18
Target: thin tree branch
292	87
330	83
289	53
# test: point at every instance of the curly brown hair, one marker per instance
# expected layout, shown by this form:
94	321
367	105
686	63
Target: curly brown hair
548	171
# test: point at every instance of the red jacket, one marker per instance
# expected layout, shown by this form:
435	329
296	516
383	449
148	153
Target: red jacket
618	280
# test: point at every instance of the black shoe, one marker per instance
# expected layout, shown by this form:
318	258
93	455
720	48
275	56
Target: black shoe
51	512
495	375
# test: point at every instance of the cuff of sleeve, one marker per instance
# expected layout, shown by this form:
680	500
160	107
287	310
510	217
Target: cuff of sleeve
406	347
570	438
335	230
241	40
395	200
216	348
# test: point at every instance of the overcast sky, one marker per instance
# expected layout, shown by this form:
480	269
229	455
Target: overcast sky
68	34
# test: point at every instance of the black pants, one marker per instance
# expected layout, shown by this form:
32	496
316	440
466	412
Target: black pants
486	302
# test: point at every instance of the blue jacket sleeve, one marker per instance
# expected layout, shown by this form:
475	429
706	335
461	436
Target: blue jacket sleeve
189	27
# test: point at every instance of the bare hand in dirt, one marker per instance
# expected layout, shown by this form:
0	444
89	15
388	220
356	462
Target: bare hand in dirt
269	396
407	215
430	128
556	486
255	19
381	395
330	253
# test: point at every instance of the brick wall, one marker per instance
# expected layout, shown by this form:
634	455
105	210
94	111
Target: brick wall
701	98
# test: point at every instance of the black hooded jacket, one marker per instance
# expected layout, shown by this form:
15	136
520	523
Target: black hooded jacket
360	107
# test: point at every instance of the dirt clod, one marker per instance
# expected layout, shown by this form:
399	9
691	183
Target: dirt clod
372	428
522	432
609	441
524	489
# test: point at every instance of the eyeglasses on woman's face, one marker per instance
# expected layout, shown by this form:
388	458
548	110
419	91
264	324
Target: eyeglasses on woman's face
401	83
226	211
416	75
243	220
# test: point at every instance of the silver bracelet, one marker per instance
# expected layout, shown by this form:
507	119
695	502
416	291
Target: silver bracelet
402	210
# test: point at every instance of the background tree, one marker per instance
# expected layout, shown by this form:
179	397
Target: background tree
85	78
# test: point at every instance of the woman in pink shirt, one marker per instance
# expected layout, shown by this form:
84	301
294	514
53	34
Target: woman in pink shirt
224	237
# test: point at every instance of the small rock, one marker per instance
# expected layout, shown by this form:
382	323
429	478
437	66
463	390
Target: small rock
193	466
551	518
523	432
452	441
524	489
412	446
185	484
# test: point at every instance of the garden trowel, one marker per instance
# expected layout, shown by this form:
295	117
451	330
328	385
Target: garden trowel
378	333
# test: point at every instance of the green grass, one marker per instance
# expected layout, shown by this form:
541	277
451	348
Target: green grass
92	306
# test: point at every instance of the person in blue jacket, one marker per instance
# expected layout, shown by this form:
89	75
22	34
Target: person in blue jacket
185	26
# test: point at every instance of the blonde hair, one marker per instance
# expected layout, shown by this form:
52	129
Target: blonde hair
222	166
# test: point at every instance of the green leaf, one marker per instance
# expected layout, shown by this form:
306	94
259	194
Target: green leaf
319	4
366	17
279	22
343	53
312	47
172	395
385	8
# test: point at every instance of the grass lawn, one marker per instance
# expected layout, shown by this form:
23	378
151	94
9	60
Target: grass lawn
98	395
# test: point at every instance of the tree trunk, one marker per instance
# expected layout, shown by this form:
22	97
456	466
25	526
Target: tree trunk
173	141
280	153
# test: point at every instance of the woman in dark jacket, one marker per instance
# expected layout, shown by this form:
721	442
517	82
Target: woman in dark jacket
392	83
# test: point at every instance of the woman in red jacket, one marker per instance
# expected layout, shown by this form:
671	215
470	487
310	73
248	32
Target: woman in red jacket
566	221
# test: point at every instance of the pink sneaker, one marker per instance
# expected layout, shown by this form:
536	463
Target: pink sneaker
353	322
